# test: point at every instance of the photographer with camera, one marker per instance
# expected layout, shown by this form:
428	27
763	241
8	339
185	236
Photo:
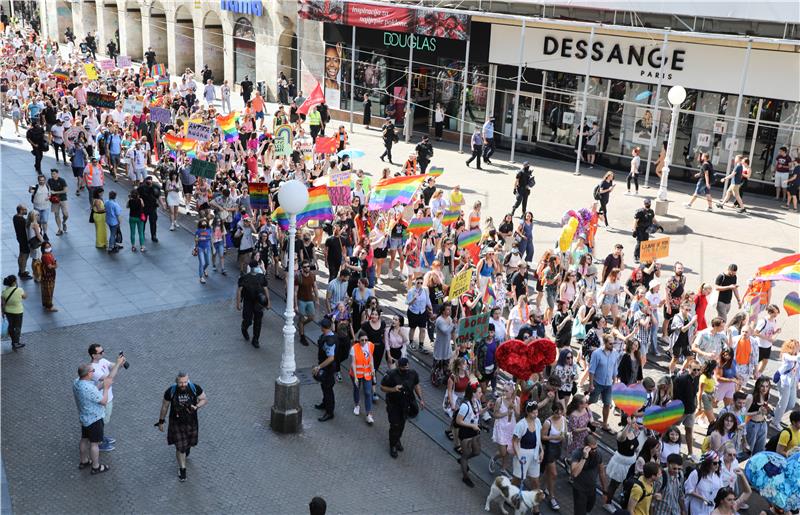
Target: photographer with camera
103	370
643	221
182	399
253	294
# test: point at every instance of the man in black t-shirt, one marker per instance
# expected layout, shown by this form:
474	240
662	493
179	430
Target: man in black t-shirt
612	261
22	239
35	137
150	194
519	282
247	89
704	178
388	134
428	190
400	385
562	324
684	388
334	252
424	153
182	399
643	219
58	187
253	294
726	288
586	465
325	370
522	188
150	56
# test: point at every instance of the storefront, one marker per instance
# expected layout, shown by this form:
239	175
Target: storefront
625	74
244	50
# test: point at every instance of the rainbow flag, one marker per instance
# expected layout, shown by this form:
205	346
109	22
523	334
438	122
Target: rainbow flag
176	143
419	225
489	298
784	269
228	125
318	208
158	69
435	171
450	217
61	75
149	83
163	81
467	238
259	195
394	190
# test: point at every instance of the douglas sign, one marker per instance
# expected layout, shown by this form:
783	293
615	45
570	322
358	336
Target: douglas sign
647	59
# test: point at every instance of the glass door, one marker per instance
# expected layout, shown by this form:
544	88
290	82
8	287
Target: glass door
527	116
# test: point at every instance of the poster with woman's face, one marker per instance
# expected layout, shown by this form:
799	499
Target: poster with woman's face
334	59
643	126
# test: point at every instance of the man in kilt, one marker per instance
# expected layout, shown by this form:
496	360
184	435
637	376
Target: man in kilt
182	399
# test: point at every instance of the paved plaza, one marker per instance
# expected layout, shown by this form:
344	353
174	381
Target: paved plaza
153	308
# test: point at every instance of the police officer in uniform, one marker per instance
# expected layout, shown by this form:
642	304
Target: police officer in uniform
400	385
325	371
424	153
643	219
387	131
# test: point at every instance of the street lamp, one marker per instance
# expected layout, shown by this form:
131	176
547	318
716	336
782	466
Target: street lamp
676	96
287	415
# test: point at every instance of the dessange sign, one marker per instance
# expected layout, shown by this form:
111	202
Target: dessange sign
702	66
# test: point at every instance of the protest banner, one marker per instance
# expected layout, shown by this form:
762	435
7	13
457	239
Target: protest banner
654	249
91	71
123	61
460	283
107	64
101	100
159	114
259	195
473	329
202	168
132	107
284	139
340	179
198	131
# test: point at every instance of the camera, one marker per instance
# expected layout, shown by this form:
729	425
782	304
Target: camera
125	365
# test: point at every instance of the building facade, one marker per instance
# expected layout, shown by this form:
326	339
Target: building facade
543	78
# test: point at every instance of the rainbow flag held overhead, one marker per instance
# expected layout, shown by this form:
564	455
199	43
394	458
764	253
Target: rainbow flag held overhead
419	225
784	269
176	143
468	238
163	81
158	69
435	171
450	217
394	190
149	83
318	208
259	195
227	123
61	75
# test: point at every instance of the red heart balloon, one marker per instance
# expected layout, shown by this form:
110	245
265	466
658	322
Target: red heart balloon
513	357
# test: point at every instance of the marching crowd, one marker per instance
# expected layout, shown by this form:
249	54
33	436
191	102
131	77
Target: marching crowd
610	319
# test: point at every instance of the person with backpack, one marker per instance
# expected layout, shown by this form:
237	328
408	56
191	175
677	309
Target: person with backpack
182	399
642	491
253	294
788	438
669	486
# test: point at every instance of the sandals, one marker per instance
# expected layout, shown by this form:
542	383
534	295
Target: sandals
458	449
448	434
100	469
83	465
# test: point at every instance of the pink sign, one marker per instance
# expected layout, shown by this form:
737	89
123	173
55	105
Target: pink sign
107	64
339	195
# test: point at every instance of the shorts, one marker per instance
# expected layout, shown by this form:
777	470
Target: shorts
764	352
781	179
77	172
601	391
563	395
682	349
139	174
395	243
701	189
44	215
380	253
417	320
188	188
591	149
734	188
306	308
59	208
259	115
688	420
93	432
531	468
708	401
610	300
552	452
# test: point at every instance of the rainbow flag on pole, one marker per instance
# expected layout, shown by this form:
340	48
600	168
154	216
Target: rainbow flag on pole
435	171
469	238
419	225
395	190
450	217
318	208
149	83
175	143
228	125
784	269
61	75
158	69
163	81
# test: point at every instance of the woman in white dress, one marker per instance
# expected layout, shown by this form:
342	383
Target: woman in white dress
174	199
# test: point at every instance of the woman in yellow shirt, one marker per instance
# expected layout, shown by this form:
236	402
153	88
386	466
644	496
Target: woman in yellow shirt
456	198
12	298
708	384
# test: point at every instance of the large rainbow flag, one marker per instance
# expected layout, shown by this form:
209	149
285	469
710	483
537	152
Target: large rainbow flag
228	125
175	143
450	217
158	69
468	238
784	269
318	208
395	190
419	226
61	75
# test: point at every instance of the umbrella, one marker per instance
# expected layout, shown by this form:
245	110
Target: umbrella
352	152
643	95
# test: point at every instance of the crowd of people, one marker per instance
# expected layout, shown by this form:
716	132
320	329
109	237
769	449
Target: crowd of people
610	318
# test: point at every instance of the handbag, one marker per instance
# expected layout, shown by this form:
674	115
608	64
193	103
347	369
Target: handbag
194	251
143	217
91	216
578	330
118	238
35	242
54	199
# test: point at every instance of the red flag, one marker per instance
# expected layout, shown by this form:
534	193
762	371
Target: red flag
315	99
326	145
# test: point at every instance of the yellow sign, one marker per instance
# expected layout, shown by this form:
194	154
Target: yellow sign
460	283
654	249
91	71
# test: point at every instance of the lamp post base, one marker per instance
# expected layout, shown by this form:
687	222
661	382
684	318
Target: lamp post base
286	415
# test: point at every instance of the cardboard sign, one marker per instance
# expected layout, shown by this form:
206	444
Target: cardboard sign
283	140
91	71
198	131
460	283
654	249
259	195
340	179
123	61
473	329
132	107
101	100
107	64
159	114
339	195
202	168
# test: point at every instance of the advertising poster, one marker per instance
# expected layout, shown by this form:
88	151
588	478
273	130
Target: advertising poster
643	126
337	75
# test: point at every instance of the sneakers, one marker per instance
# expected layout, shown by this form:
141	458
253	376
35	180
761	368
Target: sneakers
370	420
106	447
375	397
467	481
357	410
182	475
609	508
554	504
493	464
109	440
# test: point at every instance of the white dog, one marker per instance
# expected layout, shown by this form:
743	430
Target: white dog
521	501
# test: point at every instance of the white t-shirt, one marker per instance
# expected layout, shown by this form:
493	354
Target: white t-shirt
766	327
469	415
635	164
58	134
99	370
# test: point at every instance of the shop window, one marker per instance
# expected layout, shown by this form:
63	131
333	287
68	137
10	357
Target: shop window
449	80
559	117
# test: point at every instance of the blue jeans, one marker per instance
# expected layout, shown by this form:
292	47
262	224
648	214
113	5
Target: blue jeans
219	250
756	434
366	385
203	258
112	236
